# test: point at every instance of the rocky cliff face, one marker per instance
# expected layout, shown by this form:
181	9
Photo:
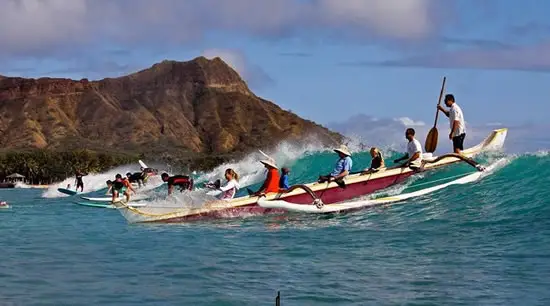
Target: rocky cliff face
200	106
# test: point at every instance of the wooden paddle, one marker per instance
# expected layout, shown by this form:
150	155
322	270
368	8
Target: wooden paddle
433	135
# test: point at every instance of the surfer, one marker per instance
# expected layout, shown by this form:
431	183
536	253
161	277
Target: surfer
121	186
146	173
109	186
456	120
136	177
341	169
230	188
78	180
377	162
414	152
271	183
283	182
184	182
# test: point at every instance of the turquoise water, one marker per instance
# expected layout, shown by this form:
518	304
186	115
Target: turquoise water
486	243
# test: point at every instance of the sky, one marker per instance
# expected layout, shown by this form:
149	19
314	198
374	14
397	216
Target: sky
326	60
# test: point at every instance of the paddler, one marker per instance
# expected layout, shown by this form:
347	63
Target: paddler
283	182
456	120
342	167
230	188
184	182
271	183
414	152
377	162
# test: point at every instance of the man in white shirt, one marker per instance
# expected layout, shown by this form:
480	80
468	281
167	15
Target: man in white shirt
414	152
456	119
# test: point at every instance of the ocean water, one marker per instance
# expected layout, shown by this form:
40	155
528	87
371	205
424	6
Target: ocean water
486	243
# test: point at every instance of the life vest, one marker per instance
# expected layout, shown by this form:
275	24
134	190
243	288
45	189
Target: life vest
272	181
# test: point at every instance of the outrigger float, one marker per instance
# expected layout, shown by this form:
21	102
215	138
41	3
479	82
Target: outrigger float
356	185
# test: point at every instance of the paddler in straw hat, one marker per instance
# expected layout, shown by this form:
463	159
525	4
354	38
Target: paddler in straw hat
271	183
342	167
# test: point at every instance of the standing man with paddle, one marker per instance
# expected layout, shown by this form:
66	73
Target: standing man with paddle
456	119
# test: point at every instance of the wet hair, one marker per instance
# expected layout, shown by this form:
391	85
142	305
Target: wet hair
128	174
164	175
109	182
449	97
118	176
410	131
233	173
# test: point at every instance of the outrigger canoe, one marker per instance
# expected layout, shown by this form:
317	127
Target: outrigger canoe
356	185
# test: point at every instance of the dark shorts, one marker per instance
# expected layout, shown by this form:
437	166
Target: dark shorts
458	142
79	184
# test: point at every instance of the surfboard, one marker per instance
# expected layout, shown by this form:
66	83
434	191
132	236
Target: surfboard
141	163
66	191
108	199
107	205
97	205
105	199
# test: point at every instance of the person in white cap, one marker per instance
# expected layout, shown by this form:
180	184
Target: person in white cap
271	183
342	167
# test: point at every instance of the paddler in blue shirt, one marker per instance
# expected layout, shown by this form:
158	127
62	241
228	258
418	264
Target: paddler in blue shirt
283	182
341	169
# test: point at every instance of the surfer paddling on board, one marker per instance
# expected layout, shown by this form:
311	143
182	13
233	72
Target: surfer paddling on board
121	186
146	173
458	126
341	169
137	177
414	152
184	182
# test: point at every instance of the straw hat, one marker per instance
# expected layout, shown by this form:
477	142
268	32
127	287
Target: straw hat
343	149
270	162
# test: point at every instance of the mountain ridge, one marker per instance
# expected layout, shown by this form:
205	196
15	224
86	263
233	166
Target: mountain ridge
197	106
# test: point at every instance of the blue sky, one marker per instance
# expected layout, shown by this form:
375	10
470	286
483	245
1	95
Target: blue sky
325	60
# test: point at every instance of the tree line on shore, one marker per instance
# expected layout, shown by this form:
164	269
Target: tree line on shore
47	167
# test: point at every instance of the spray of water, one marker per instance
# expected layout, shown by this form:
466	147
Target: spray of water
96	181
249	169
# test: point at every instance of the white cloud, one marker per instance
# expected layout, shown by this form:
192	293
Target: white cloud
397	18
38	27
406	121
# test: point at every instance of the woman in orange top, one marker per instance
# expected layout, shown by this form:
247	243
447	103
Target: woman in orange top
271	183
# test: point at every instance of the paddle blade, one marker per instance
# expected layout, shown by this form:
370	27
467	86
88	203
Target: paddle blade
431	140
